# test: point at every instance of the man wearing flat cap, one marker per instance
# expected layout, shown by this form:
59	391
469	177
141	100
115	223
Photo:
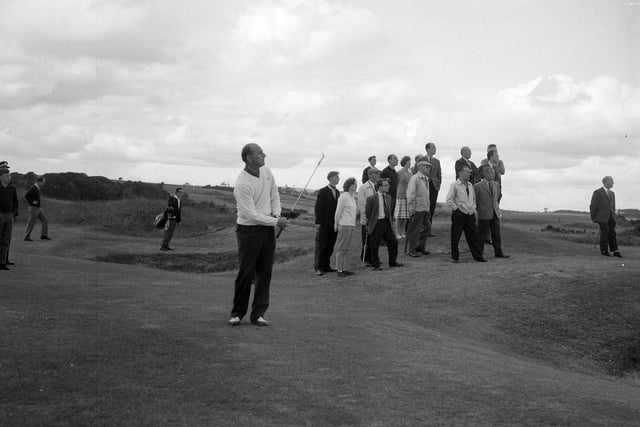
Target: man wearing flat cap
418	203
325	209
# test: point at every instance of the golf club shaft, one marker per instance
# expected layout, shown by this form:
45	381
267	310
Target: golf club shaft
301	193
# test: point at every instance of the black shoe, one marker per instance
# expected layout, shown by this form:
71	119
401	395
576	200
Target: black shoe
44	238
616	254
377	268
488	241
502	256
605	253
415	254
455	261
396	264
348	273
342	274
432	235
330	270
319	272
481	260
3	267
422	251
163	248
28	239
11	263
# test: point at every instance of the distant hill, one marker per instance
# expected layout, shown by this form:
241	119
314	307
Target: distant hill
80	186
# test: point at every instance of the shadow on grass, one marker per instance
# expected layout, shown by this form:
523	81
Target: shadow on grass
212	262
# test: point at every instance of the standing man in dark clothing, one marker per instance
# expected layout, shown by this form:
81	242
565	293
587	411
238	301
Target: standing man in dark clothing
461	199
379	213
8	211
435	179
325	209
391	175
36	211
258	205
603	211
174	205
465	160
365	171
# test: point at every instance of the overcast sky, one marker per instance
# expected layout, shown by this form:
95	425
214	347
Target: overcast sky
170	91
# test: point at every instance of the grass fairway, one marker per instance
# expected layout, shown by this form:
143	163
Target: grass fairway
550	336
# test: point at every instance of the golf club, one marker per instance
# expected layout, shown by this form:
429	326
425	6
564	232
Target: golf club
301	193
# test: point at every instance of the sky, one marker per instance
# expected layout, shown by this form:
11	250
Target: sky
170	91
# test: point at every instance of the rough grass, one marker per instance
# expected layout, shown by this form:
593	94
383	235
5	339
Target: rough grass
134	217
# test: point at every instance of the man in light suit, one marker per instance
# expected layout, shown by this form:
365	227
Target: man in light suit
379	212
435	179
488	209
174	204
364	192
325	210
603	211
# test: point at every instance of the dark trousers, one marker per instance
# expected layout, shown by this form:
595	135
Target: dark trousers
383	231
486	226
418	230
256	248
325	241
460	222
34	214
433	200
6	228
608	239
366	245
168	233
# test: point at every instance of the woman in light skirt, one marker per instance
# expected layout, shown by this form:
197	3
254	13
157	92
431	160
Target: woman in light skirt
345	224
401	213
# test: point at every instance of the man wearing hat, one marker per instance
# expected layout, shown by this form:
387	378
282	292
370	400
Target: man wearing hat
365	191
325	209
418	208
8	210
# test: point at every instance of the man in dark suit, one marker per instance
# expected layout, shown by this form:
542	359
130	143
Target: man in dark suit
465	160
435	179
8	211
325	209
488	210
379	214
365	172
390	173
36	211
174	205
603	211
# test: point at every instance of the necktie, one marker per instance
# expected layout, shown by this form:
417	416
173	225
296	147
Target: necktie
386	207
467	188
490	190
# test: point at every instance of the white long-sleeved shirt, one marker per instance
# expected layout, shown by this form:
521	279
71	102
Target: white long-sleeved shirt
367	189
457	197
257	198
347	210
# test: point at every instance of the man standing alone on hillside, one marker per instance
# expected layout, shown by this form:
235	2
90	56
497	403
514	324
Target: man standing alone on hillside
325	211
36	211
258	206
8	210
603	211
174	205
